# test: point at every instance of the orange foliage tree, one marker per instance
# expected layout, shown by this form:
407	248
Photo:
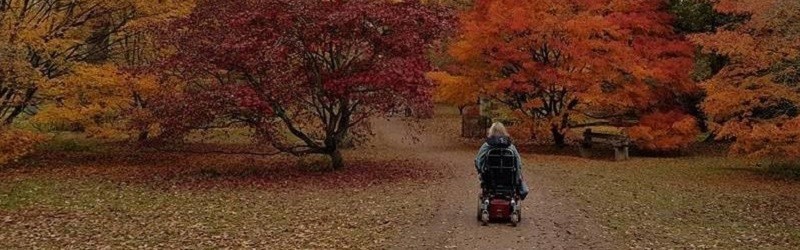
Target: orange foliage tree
565	64
754	99
15	144
665	130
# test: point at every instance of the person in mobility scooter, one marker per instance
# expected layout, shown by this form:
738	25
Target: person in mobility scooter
499	167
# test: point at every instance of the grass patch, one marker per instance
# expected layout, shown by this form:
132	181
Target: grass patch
96	200
24	193
785	170
72	142
94	214
684	202
238	135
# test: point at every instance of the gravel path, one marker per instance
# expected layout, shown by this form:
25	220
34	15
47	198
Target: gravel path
550	221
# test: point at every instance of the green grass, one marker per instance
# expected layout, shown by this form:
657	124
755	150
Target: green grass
24	193
684	202
239	135
71	142
788	171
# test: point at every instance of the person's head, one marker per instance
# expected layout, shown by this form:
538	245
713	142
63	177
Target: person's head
497	130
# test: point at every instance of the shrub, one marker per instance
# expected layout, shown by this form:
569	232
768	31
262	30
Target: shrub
668	131
15	144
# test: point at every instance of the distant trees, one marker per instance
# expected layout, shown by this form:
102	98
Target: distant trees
305	74
302	74
566	64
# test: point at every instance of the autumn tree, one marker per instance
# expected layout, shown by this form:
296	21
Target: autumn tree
699	16
455	90
104	95
37	38
301	74
55	50
60	63
754	98
566	64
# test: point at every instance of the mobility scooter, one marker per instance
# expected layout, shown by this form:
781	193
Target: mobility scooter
500	182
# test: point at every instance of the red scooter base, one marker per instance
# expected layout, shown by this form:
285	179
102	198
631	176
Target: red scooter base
500	209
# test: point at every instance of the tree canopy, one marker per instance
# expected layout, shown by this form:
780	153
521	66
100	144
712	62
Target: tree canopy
563	64
302	74
754	99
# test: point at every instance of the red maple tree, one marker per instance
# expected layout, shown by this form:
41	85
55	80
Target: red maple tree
302	74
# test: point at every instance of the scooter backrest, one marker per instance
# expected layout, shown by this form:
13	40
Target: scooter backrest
501	158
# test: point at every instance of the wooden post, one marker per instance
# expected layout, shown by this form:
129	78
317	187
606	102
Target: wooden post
621	150
618	156
626	152
464	126
586	145
626	148
484	124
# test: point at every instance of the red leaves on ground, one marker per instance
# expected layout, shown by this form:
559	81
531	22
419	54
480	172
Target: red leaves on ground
198	171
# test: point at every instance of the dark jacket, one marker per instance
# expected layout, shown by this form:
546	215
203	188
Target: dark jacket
501	142
492	143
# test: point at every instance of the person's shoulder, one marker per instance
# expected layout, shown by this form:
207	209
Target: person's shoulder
499	141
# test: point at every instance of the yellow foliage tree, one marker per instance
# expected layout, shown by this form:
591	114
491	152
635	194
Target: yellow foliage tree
95	98
63	57
458	91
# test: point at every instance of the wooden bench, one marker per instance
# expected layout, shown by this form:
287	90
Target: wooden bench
621	144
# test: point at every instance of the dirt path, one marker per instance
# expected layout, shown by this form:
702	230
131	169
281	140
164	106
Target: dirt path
549	221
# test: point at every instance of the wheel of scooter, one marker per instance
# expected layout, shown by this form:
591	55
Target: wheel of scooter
515	219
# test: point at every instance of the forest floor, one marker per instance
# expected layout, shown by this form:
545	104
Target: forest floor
399	191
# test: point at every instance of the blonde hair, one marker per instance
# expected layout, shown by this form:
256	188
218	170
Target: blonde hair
497	129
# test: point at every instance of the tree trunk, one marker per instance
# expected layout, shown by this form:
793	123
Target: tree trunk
143	135
558	137
22	106
337	162
14	113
